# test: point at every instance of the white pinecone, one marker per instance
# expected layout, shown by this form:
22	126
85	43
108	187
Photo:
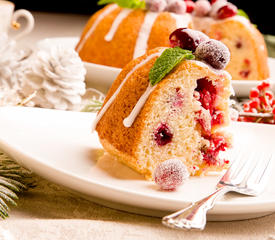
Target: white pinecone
11	62
57	75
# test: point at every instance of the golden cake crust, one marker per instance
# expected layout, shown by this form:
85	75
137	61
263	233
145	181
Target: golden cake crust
247	63
250	54
123	142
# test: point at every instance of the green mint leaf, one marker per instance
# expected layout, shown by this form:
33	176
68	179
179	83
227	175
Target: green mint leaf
243	14
134	4
166	62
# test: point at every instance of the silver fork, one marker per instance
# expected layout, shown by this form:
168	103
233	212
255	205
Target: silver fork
247	176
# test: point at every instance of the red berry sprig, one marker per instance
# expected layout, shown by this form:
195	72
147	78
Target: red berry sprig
261	100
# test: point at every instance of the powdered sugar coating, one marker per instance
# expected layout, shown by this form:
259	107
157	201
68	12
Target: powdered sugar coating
202	8
187	38
216	6
170	174
176	6
156	5
213	52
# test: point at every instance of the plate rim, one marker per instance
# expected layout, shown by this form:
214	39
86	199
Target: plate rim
32	163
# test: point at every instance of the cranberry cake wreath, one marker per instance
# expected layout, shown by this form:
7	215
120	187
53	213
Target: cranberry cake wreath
170	103
124	31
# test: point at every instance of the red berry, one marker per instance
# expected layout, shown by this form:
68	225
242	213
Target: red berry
187	38
170	174
273	103
269	95
263	86
163	135
227	11
255	103
213	1
245	73
214	52
254	93
263	101
190	6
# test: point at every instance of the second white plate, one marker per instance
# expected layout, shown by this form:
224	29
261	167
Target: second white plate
102	77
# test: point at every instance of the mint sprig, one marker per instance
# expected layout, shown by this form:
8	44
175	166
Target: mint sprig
134	4
166	62
243	14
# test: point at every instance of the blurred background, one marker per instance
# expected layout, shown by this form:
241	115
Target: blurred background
258	11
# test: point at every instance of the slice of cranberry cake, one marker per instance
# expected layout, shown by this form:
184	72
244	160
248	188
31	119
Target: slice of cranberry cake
144	123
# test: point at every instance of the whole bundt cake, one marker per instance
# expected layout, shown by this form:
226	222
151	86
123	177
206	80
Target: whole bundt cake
115	35
168	104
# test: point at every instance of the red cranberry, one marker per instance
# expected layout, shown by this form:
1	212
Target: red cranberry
239	44
202	8
217	144
217	119
176	6
163	135
208	94
187	38
245	73
190	6
263	86
214	53
170	174
255	103
227	11
254	93
213	1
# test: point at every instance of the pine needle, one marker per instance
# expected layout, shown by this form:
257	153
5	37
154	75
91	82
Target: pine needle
13	180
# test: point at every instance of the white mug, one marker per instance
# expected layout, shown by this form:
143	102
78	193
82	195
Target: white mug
9	17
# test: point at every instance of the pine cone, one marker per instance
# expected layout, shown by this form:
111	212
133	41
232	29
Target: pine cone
57	75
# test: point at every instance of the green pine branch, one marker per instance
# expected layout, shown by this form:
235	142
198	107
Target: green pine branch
13	180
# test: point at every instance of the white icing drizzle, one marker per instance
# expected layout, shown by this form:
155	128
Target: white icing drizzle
120	17
127	122
107	11
144	33
182	20
112	98
216	71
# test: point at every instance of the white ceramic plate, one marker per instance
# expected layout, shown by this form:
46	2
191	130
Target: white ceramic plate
101	76
59	146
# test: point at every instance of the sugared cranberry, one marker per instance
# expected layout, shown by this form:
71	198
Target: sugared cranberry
156	5
190	6
214	53
176	6
170	174
187	38
213	1
227	11
163	135
269	95
202	8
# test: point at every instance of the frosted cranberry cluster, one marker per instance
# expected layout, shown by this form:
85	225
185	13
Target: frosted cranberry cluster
219	9
261	100
211	51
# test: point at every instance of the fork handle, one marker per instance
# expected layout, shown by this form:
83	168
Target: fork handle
194	216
